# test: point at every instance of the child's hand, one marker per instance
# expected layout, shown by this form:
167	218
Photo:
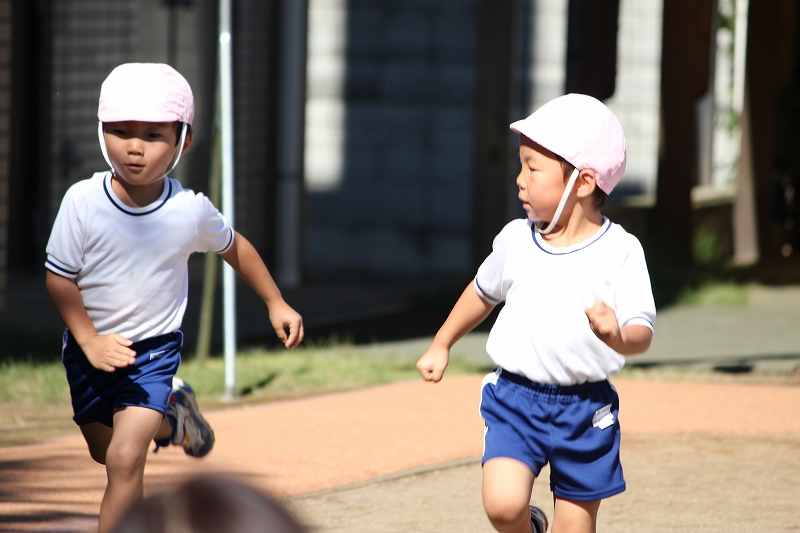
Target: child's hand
282	316
432	364
108	352
603	322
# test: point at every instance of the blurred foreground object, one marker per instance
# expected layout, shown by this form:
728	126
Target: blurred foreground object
209	504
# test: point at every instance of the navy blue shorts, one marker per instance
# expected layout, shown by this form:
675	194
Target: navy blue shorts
148	383
574	428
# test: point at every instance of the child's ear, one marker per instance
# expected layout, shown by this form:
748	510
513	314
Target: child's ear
187	142
585	184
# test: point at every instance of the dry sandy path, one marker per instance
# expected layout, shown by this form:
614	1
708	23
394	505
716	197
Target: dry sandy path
698	455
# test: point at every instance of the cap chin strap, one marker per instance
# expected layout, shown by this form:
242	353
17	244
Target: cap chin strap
184	131
102	138
561	205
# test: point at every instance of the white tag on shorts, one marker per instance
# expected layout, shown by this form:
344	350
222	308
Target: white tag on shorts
603	417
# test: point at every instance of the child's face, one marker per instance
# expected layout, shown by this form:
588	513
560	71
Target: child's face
141	151
541	181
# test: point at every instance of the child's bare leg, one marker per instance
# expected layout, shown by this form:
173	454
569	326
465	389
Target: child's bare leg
507	486
575	517
164	430
134	428
97	437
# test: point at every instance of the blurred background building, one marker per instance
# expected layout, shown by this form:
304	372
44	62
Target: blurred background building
371	138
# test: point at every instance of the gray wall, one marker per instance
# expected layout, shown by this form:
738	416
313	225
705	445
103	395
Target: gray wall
255	122
401	205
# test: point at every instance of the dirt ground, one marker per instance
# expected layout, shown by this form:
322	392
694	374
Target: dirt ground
698	456
698	483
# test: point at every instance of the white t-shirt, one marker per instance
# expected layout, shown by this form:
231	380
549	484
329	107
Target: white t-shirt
130	264
542	332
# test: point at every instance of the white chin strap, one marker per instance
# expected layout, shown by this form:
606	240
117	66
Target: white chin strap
561	205
102	138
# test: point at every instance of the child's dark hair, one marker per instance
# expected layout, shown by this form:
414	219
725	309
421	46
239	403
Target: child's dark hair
209	504
599	195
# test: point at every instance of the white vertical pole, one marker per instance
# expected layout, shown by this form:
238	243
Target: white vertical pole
228	204
739	54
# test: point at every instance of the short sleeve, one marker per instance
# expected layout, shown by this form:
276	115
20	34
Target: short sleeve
634	295
489	279
65	247
214	232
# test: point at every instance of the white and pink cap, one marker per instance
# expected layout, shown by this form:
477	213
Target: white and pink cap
582	130
146	92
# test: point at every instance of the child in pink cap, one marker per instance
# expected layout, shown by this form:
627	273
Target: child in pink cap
577	301
117	274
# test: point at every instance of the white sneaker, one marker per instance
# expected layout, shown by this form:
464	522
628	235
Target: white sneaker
191	429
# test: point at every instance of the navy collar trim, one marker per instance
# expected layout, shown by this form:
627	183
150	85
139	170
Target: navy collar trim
112	198
591	240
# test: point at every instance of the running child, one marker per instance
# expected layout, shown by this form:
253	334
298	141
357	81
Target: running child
117	275
577	301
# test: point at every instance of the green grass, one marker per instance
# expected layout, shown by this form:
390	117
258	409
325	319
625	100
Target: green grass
261	375
716	294
305	371
32	383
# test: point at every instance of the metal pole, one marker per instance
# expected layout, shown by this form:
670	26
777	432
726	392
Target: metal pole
172	35
739	54
226	137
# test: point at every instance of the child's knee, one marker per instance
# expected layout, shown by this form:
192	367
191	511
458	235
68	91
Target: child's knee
125	459
505	509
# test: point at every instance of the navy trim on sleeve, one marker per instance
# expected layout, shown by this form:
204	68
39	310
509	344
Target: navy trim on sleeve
55	266
485	296
230	241
121	208
640	317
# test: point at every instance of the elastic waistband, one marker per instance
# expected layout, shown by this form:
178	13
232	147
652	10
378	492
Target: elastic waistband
144	345
548	388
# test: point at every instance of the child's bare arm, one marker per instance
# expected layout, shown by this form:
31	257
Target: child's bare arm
626	340
248	264
104	352
469	311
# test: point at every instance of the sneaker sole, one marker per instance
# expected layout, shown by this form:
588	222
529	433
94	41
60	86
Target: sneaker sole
185	395
538	520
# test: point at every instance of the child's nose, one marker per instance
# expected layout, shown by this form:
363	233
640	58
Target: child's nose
519	180
135	146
